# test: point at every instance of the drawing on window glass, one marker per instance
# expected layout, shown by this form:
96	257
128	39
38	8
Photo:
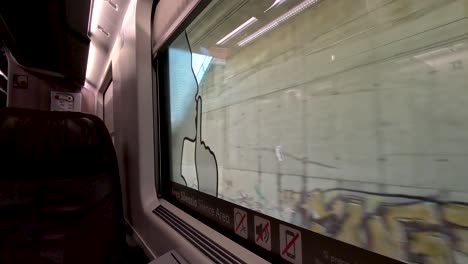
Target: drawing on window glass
194	164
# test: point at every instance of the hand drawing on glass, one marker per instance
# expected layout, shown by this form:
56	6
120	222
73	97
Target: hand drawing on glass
186	123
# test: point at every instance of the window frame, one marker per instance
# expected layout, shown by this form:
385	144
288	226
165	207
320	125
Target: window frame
160	63
162	126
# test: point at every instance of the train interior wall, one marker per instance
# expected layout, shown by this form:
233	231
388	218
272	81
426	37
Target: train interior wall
30	88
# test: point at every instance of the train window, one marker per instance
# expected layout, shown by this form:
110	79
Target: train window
347	118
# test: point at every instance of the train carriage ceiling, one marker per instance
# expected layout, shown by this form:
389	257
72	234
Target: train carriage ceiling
50	35
107	18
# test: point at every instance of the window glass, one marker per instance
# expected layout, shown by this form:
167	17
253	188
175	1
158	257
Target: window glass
348	118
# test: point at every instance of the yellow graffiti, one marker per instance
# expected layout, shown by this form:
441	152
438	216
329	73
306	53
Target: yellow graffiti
412	231
432	246
456	214
349	232
317	208
380	239
414	212
318	228
461	240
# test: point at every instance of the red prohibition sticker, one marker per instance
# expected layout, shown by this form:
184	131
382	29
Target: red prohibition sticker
240	223
290	244
262	232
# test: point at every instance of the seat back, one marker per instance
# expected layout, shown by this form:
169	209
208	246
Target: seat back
60	199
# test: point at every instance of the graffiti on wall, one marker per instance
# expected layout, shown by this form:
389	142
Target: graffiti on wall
415	229
409	228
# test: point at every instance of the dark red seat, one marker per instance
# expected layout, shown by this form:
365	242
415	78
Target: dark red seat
60	199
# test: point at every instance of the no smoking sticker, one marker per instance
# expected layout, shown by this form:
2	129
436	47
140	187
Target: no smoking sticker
240	223
290	244
262	232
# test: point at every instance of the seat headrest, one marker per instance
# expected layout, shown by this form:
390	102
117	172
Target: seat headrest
52	144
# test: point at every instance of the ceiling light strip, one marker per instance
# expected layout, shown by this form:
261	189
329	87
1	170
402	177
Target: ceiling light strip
3	75
113	4
273	24
105	32
96	14
236	31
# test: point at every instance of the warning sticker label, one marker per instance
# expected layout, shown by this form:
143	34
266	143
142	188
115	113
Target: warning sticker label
274	240
290	244
240	223
262	232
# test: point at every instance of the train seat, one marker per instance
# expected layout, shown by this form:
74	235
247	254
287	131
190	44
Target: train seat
60	196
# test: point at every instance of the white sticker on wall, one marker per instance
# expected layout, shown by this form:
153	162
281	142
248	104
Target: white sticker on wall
60	101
